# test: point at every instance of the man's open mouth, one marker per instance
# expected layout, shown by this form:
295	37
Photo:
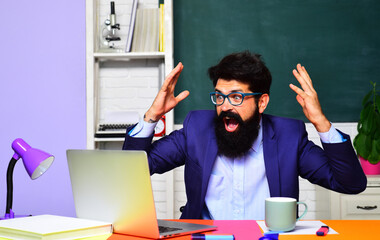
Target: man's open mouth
231	124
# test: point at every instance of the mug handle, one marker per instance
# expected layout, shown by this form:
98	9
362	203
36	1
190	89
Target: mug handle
303	214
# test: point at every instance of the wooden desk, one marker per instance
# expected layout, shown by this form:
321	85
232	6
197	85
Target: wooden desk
246	230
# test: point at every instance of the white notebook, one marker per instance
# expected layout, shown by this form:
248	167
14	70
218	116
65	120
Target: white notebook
52	227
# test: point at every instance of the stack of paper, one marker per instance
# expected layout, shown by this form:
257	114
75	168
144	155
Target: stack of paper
52	227
304	227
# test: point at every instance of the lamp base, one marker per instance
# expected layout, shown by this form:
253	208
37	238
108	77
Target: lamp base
11	215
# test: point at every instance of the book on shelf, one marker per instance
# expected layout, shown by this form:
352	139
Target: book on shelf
146	33
136	39
152	40
131	26
52	227
161	31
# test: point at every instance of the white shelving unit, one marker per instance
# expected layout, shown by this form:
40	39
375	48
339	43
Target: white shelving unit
107	68
95	58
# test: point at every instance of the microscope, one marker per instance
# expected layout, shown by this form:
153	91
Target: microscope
108	35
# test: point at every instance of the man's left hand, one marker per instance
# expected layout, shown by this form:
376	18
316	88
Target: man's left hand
308	99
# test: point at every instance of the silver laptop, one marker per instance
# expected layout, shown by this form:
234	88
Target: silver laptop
115	186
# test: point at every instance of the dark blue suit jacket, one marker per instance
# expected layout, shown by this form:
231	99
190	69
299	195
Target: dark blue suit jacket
288	154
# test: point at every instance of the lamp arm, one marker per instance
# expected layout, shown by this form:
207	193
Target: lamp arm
11	166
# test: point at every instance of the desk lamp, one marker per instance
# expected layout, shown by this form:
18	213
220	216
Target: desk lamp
36	162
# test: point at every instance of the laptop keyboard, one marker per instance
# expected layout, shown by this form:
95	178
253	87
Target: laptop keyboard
163	229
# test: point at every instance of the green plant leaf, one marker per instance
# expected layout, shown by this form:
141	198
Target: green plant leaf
359	126
363	145
367	97
376	135
372	117
374	156
377	145
364	113
367	122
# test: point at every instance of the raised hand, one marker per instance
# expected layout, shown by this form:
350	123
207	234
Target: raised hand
308	99
165	99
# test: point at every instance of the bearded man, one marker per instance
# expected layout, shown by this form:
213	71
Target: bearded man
236	156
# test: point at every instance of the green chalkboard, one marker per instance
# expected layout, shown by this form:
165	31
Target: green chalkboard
338	41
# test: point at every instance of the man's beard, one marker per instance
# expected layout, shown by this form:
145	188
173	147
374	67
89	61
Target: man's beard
237	143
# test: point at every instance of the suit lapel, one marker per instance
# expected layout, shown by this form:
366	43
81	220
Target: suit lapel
270	146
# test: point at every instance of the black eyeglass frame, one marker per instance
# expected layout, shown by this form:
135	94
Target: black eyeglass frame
227	96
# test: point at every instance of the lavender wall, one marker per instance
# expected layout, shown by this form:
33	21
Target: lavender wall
42	97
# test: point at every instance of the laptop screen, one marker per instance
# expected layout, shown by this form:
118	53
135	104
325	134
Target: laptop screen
114	186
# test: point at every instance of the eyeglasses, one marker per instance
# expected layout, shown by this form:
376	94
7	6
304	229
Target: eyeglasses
235	98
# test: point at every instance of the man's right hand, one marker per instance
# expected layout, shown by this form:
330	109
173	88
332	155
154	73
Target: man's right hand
165	99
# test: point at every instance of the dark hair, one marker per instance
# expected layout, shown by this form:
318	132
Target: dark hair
243	67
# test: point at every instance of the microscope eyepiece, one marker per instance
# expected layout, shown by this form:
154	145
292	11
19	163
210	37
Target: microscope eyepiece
112	7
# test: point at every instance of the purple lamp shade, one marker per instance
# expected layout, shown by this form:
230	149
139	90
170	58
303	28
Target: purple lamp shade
36	162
